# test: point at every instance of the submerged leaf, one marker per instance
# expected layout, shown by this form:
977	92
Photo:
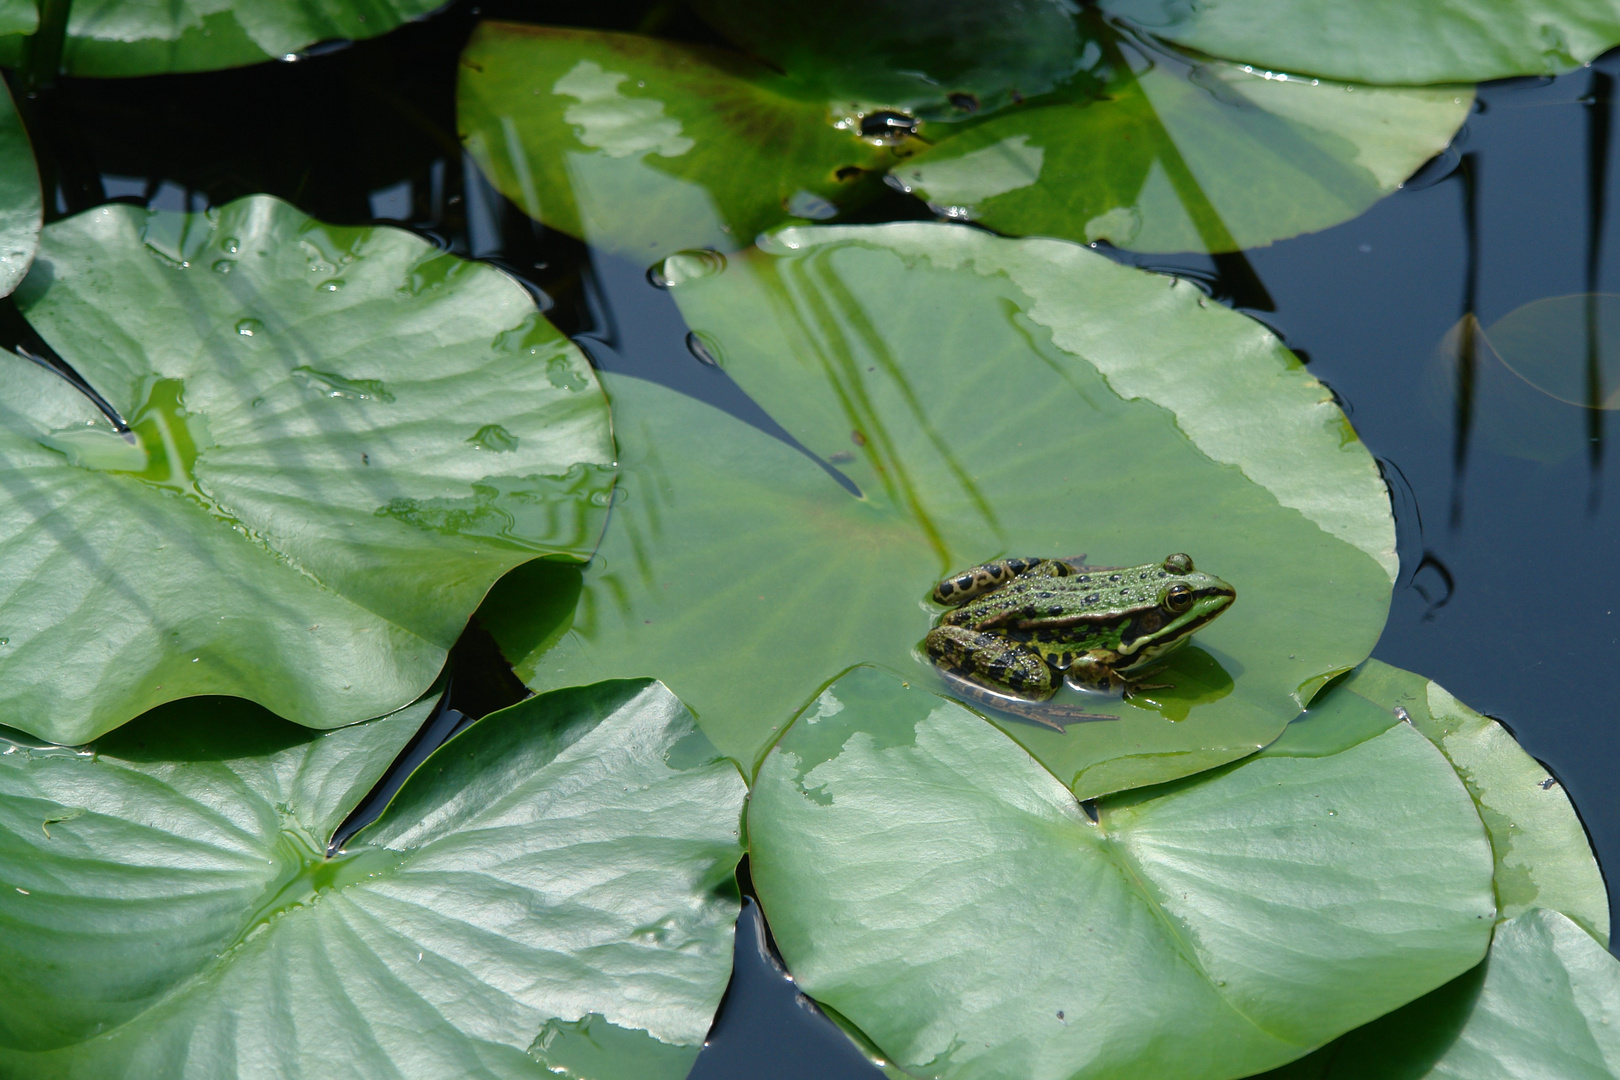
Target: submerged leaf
565	863
301	513
987	397
927	879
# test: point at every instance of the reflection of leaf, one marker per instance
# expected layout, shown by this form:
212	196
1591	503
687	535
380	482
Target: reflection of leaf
146	37
191	926
988	397
1387	41
1568	347
19	197
1206	157
313	544
941	891
1542	1005
646	147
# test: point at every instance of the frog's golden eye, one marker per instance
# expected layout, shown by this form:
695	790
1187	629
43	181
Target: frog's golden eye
1178	598
1178	564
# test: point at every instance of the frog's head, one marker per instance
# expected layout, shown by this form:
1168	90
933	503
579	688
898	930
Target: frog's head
1187	601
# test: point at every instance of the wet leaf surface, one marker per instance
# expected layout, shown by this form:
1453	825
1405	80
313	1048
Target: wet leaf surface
987	397
926	878
553	886
308	506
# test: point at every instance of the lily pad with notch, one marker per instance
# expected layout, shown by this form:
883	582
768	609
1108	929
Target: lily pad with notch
951	899
292	495
980	397
552	887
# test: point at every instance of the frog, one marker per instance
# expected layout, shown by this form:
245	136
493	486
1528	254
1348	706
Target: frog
1020	627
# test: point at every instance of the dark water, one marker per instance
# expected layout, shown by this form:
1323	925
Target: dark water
1509	589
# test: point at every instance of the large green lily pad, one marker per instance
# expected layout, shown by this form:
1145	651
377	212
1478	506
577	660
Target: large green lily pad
988	397
1543	1004
20	206
341	438
1203	156
555	879
932	883
1388	41
646	147
149	37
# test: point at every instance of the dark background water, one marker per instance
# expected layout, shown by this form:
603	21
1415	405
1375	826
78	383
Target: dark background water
1509	586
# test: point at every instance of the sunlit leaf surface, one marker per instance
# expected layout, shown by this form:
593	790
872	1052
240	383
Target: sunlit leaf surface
1542	1005
1201	156
927	879
341	437
552	886
1543	858
19	197
149	37
646	147
1387	41
988	397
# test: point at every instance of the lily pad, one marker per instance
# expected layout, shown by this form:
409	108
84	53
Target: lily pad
1387	41
1543	1004
939	889
149	37
987	397
562	866
1203	156
20	206
1543	857
646	147
312	498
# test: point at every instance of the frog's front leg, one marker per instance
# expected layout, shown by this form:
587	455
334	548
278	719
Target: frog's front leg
991	657
978	580
1097	673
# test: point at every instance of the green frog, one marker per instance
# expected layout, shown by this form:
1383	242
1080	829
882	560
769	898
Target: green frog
1022	624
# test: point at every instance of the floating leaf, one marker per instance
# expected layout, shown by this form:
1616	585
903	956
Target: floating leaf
1543	857
1543	1004
1568	347
927	879
19	197
146	37
646	147
1201	157
987	397
561	866
1387	41
297	516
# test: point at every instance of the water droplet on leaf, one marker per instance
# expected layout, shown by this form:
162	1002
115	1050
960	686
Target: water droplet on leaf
249	327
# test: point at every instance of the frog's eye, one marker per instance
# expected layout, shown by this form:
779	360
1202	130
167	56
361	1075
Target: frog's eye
1178	598
1178	564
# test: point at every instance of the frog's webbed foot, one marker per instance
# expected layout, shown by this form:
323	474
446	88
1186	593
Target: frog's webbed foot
978	580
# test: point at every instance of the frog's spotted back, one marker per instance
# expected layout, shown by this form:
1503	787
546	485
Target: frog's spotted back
978	580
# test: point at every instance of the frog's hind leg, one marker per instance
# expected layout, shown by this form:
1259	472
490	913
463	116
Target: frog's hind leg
991	657
978	580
